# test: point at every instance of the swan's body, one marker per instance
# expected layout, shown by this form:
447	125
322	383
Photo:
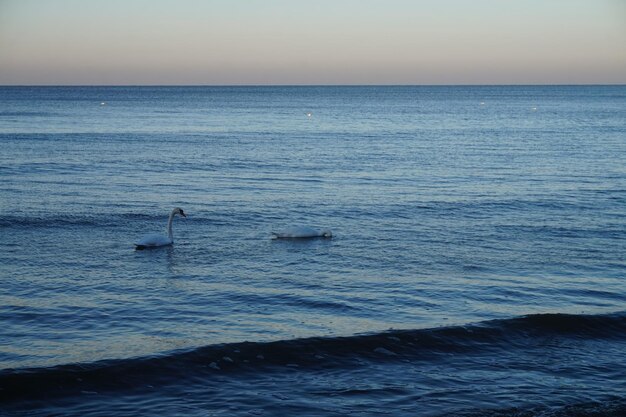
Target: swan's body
155	240
301	232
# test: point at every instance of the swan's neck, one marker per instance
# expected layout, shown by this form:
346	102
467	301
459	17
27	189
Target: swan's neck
169	227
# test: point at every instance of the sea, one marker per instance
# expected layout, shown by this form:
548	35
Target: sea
477	265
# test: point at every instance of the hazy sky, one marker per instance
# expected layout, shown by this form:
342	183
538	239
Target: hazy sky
312	42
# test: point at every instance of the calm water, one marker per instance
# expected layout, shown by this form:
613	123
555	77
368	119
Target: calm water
477	266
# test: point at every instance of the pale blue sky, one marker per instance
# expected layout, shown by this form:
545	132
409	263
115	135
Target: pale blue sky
312	42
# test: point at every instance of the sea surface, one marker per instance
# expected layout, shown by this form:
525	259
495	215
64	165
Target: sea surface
477	265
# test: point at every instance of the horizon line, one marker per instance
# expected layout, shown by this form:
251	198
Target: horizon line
325	85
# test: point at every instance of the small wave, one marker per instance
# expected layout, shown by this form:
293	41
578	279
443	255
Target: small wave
59	220
24	113
616	408
36	221
309	353
293	300
51	220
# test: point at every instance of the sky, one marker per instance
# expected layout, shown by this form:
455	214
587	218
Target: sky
286	42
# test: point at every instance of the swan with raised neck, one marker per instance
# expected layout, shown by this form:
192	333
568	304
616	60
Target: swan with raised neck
155	240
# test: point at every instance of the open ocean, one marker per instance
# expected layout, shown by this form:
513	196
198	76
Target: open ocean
477	265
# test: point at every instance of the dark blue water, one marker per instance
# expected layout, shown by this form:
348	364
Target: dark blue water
477	265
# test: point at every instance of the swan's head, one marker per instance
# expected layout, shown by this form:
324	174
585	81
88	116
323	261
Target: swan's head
180	211
327	233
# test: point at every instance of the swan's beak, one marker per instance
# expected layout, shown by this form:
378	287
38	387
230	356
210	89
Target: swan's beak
183	214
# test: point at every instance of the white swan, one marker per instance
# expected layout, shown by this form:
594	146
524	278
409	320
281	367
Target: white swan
301	232
154	240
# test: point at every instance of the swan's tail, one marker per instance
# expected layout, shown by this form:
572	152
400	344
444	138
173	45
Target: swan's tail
140	247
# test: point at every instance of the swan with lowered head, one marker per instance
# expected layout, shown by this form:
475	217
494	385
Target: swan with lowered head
301	232
154	240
